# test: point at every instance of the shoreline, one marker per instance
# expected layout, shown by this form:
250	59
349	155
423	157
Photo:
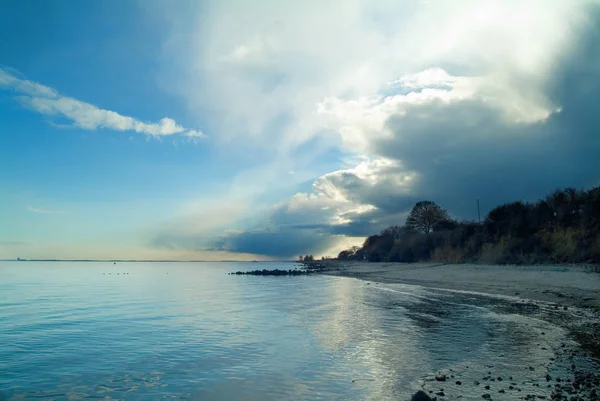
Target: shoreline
565	287
571	288
570	285
570	293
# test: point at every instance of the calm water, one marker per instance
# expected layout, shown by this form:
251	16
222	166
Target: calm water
189	331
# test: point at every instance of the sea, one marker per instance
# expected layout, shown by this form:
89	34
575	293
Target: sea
190	331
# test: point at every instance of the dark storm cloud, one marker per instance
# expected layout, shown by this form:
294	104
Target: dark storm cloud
464	152
283	243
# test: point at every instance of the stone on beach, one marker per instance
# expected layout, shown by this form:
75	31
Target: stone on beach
420	396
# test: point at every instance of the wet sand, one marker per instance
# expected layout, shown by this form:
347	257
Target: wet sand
570	295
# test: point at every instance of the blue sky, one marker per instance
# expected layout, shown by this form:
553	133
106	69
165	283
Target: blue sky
238	130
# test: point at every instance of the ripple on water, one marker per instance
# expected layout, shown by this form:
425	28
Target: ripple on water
197	333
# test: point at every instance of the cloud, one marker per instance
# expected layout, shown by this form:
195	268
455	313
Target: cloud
45	100
44	211
351	202
281	244
454	148
263	69
443	101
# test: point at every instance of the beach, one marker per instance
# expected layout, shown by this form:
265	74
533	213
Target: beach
565	295
563	284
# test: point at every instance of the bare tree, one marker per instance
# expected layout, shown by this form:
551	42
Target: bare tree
425	215
393	231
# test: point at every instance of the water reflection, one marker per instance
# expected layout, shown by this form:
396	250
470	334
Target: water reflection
70	331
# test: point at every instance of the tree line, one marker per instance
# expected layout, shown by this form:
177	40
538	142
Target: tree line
564	227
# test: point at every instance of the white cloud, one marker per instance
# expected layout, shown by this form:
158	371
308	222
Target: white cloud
343	196
362	121
429	77
255	65
48	101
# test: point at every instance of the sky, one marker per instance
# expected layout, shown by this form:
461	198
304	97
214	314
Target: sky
263	130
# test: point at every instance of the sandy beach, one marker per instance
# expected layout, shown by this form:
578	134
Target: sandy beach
563	284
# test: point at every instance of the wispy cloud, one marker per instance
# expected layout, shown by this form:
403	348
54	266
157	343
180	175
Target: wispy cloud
44	211
46	100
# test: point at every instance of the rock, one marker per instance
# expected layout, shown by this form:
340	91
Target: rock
487	387
459	382
440	393
440	378
486	396
548	377
275	272
476	383
502	391
420	396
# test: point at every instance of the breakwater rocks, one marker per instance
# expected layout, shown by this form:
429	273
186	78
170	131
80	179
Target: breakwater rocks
275	272
307	268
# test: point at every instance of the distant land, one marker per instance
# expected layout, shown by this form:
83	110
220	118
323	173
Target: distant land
139	260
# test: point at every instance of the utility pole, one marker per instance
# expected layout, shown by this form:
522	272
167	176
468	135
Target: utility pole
478	212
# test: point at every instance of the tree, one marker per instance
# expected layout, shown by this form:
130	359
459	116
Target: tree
394	231
354	253
425	215
377	247
309	258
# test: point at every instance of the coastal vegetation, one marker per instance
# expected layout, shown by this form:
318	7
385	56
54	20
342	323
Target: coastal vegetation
564	227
